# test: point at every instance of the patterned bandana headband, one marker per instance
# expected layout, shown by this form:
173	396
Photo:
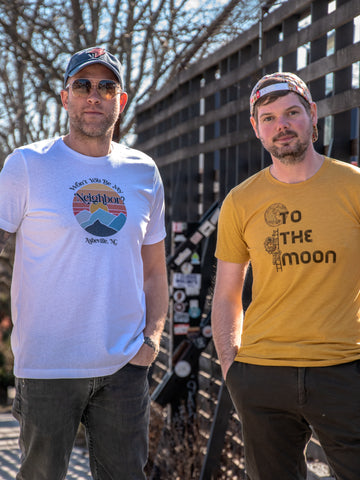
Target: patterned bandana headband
282	81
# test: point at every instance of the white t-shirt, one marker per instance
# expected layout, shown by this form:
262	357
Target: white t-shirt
78	305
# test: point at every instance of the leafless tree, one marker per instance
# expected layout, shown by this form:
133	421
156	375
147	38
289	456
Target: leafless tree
154	39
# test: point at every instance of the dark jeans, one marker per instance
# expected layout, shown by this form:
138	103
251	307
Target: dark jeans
114	410
277	405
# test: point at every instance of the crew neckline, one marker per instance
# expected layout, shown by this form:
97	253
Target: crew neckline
86	158
311	179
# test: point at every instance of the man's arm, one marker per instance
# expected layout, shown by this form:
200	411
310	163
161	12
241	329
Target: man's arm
4	237
157	298
227	311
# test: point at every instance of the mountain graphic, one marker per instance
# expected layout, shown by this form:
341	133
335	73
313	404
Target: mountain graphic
101	215
118	223
100	230
101	222
83	216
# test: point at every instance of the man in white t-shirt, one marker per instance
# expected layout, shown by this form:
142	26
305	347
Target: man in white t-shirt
89	289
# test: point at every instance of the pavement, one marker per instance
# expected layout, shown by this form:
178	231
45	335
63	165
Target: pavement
10	453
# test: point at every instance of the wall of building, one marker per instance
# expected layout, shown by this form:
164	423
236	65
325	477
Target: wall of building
198	131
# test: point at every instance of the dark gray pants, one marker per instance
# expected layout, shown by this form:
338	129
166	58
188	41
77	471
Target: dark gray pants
277	405
114	410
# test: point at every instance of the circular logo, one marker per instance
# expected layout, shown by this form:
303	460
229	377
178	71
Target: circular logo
99	209
179	307
179	296
207	331
182	368
274	215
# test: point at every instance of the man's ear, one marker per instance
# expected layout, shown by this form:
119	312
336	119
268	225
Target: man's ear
313	113
253	124
123	100
64	94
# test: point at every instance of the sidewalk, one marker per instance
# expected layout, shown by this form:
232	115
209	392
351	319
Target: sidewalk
9	453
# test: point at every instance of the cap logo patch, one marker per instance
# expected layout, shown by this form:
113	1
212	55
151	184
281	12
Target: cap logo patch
97	52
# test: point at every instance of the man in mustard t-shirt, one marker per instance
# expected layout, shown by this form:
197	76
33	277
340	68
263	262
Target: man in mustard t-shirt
292	362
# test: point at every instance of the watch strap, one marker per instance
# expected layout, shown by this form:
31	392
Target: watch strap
151	344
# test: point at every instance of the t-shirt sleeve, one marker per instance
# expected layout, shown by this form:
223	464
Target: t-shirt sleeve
156	227
13	192
231	246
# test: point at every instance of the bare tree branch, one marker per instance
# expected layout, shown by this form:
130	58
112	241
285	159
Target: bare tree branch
153	39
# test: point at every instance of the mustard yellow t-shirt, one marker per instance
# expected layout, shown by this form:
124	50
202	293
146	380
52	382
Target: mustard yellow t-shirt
303	241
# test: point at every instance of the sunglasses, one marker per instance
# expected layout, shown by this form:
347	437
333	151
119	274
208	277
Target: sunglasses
81	87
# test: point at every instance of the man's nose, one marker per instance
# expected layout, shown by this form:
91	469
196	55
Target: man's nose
283	122
94	96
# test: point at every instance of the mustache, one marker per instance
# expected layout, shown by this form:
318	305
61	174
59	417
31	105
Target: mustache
285	134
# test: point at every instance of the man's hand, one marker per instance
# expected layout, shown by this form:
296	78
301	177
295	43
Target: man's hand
145	356
225	368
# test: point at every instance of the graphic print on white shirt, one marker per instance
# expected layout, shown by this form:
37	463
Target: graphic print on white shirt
78	306
99	209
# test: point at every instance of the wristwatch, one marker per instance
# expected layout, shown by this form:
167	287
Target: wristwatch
151	344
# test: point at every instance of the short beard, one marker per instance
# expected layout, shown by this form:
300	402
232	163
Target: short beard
293	155
93	131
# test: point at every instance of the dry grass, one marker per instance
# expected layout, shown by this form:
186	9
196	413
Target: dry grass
177	450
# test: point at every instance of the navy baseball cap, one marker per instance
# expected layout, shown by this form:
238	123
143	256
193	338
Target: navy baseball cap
90	56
